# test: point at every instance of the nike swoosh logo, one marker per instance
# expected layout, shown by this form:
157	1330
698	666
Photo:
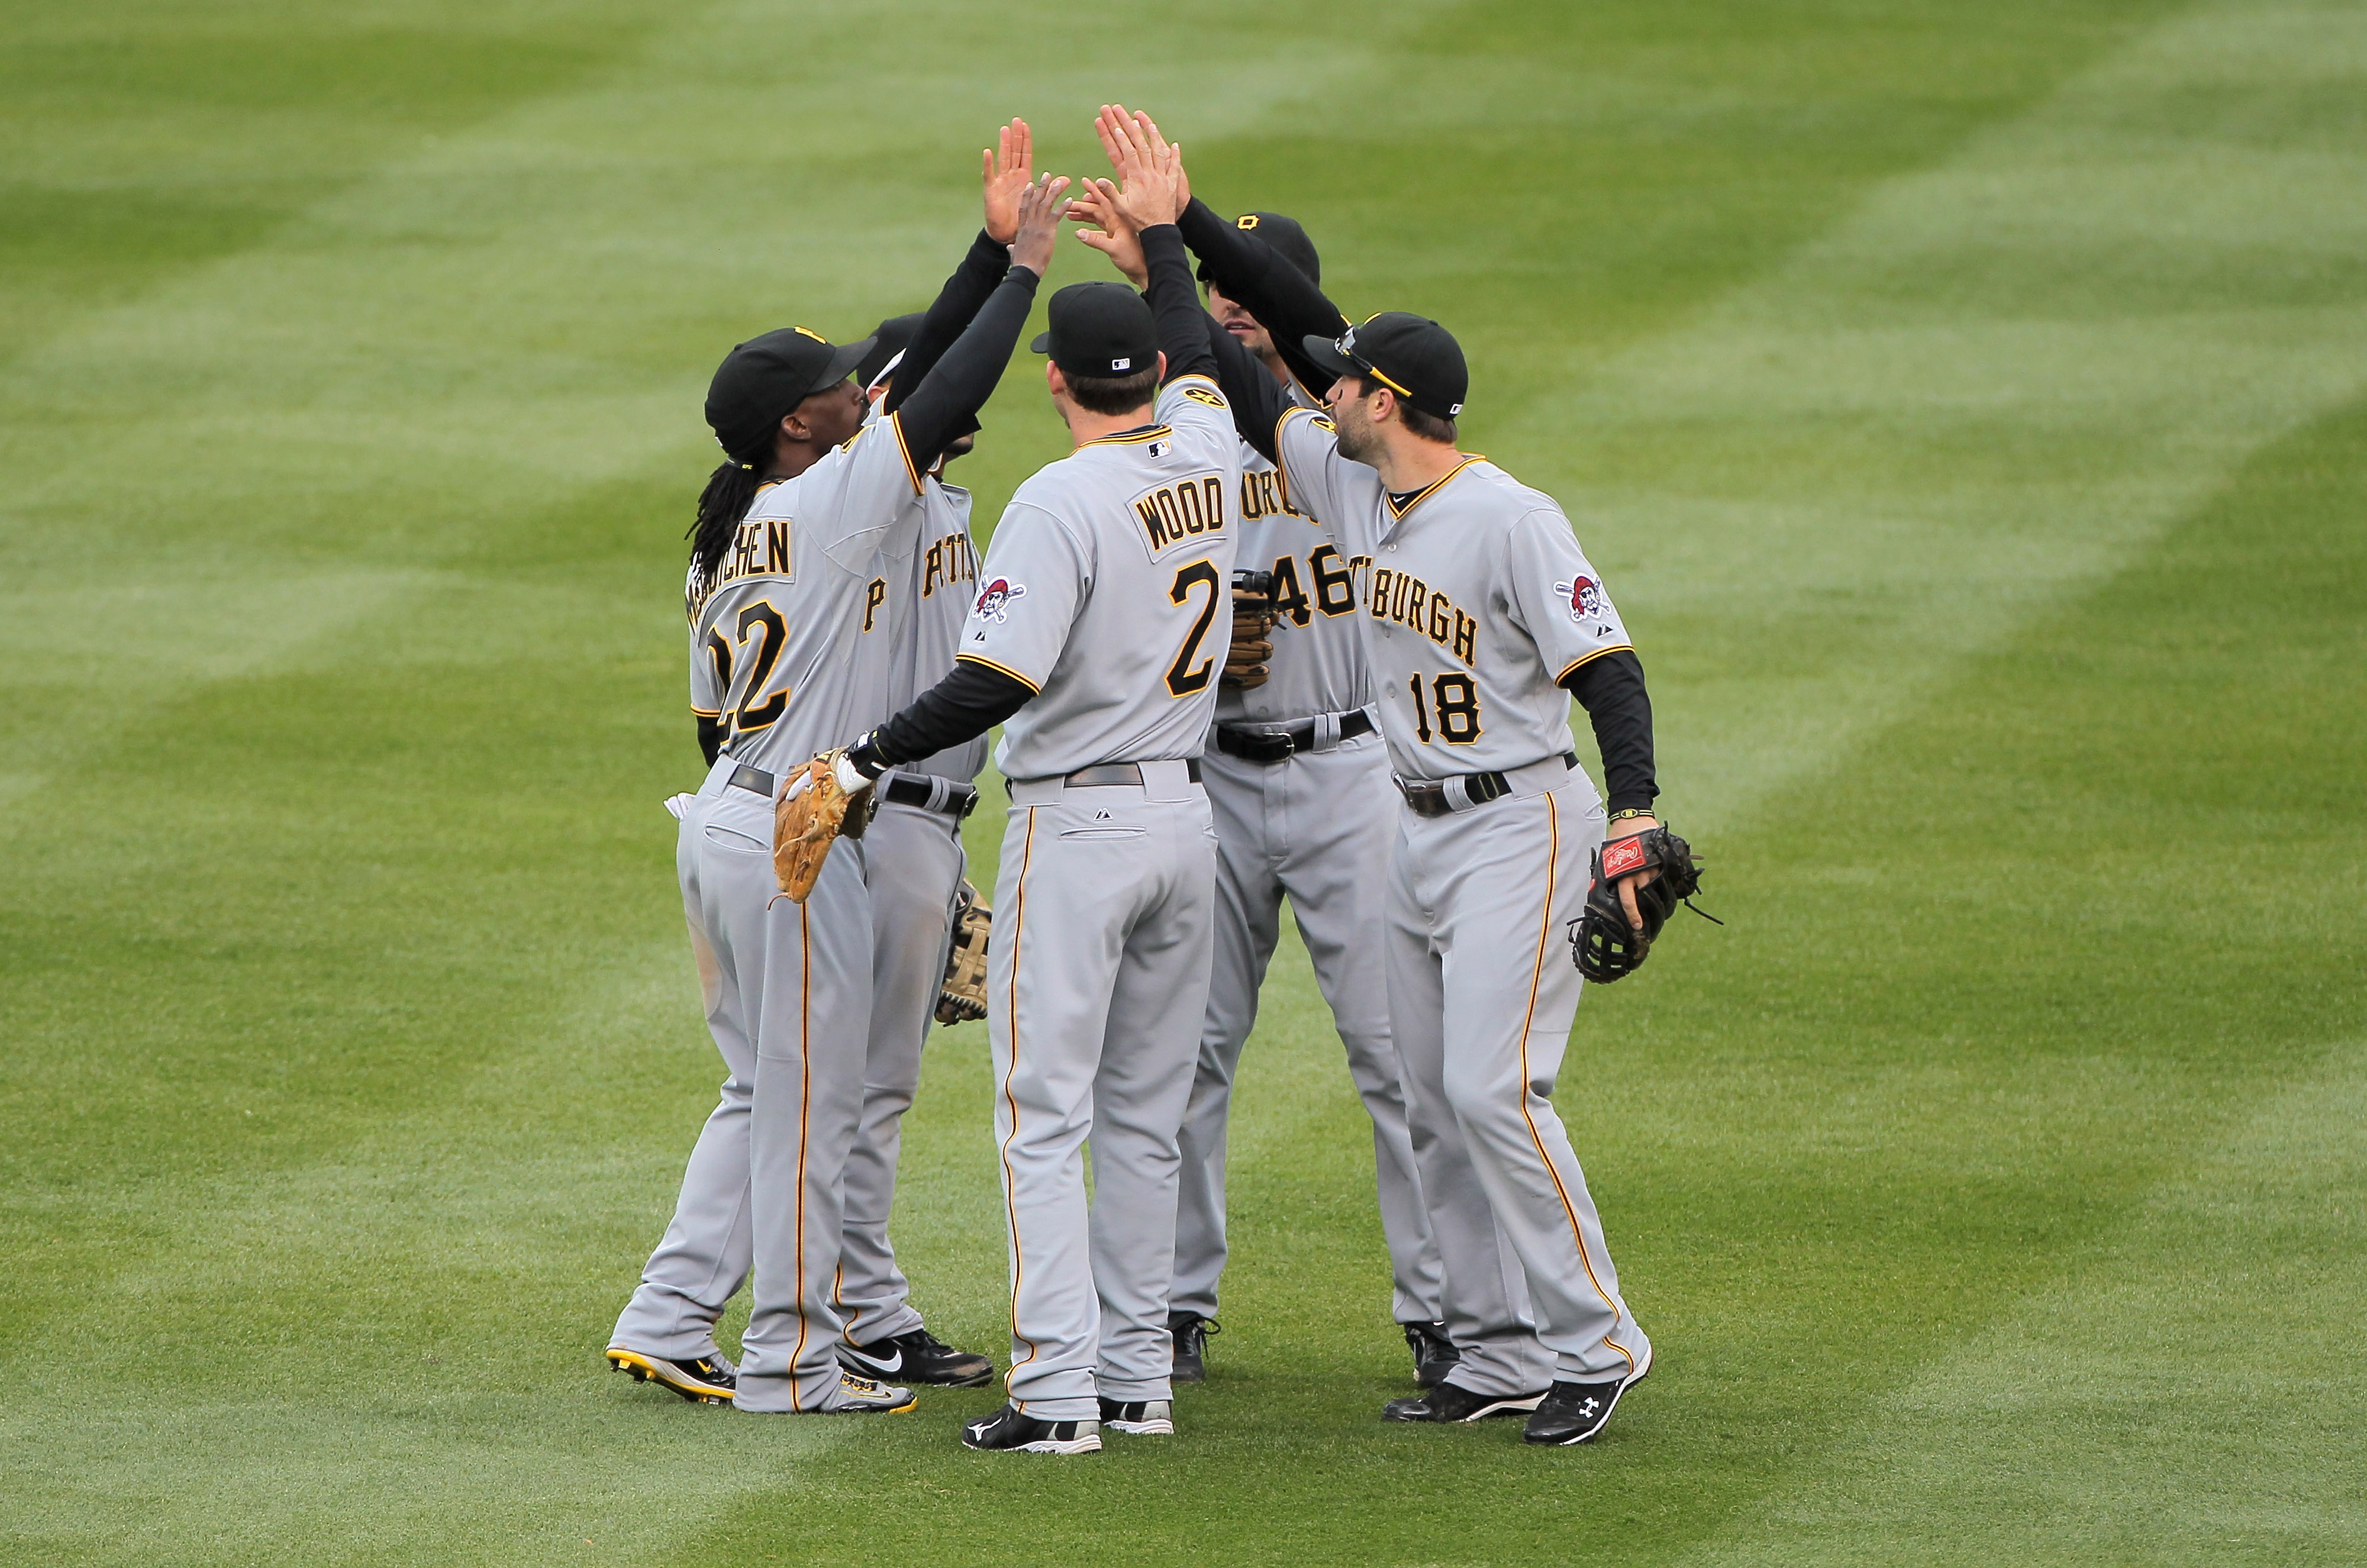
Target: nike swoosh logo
887	1368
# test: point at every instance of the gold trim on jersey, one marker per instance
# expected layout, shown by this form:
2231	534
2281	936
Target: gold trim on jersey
1149	433
1007	670
1585	658
698	712
1430	489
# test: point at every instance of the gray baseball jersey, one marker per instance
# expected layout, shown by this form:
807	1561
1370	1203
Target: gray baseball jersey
929	595
1107	589
1479	601
769	653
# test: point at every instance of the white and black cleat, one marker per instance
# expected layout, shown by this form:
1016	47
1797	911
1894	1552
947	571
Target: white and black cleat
1449	1403
1575	1412
868	1396
1010	1431
1140	1418
702	1379
919	1357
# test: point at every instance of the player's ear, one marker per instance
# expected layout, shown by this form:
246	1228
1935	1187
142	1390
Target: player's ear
1163	367
1053	381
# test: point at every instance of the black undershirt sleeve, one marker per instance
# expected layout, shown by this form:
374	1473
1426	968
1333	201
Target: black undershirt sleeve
1280	297
950	396
957	305
1175	304
1611	690
711	737
968	703
1257	401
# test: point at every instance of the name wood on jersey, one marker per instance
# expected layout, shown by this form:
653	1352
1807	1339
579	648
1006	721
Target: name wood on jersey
1409	601
760	548
950	560
1178	513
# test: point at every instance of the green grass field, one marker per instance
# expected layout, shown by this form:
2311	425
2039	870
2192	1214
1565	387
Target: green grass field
1968	403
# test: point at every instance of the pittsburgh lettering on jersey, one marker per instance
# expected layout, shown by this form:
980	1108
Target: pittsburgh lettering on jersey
1265	495
760	548
1188	508
1406	599
950	560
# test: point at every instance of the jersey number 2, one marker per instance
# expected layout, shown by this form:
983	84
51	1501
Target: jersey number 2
1182	679
764	623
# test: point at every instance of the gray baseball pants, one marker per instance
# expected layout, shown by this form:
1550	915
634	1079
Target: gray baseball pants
1094	997
788	998
1483	992
1317	827
913	857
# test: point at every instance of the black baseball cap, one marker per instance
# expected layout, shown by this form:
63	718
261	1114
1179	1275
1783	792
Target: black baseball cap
1100	329
762	380
1288	239
1411	355
889	338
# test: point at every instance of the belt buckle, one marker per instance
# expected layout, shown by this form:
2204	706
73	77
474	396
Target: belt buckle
1266	748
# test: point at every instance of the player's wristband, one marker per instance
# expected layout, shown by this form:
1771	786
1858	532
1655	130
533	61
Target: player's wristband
865	761
1631	811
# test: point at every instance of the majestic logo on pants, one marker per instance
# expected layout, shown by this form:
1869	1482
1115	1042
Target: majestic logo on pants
995	596
1585	596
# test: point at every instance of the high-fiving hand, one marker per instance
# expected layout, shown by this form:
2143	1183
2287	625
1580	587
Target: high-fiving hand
1009	170
1155	190
1038	223
1111	234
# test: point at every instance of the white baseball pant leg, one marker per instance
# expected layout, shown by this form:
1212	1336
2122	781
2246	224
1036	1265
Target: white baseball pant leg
804	978
1318	826
703	1258
915	860
1094	1000
1483	993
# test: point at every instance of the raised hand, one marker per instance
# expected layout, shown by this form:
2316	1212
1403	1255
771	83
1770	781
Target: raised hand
1154	191
1096	203
1037	223
1009	170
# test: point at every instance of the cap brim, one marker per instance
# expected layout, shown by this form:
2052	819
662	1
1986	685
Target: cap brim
1327	357
1043	343
842	361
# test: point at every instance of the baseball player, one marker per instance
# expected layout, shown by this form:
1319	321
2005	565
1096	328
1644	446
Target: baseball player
1299	785
788	650
1482	618
912	853
1094	639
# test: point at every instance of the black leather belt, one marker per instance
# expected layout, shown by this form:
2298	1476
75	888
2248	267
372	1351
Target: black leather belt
1428	798
754	779
954	800
1120	774
1279	745
1112	773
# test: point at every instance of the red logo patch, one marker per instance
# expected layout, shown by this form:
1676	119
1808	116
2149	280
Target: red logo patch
1625	856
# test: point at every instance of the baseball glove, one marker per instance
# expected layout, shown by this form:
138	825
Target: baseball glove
963	996
826	800
1253	617
1603	944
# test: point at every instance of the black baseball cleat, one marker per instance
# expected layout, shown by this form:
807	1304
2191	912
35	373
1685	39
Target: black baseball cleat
1191	1331
1140	1418
702	1379
1434	1354
919	1357
1009	1432
1574	1412
1449	1403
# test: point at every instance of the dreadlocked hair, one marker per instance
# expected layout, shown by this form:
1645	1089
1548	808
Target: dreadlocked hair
731	491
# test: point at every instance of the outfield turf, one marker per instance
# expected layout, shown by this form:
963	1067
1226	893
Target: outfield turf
1966	403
